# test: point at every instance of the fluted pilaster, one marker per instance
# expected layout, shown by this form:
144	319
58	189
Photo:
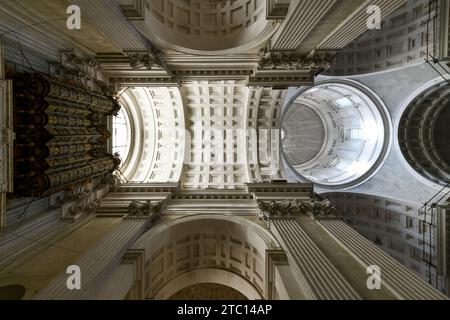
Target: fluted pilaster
315	273
403	283
98	262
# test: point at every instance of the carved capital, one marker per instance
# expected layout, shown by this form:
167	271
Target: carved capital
288	209
75	59
290	61
149	59
148	209
76	206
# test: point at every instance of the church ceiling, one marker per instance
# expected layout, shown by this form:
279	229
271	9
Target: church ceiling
206	134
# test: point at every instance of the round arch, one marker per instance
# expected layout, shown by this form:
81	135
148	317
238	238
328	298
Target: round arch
215	248
155	120
208	275
207	27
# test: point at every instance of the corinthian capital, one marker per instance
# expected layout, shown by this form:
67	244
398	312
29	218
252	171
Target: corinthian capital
289	209
290	61
147	209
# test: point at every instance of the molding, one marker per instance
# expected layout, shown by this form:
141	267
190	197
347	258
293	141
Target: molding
279	81
277	9
135	10
136	258
318	209
283	69
274	258
290	61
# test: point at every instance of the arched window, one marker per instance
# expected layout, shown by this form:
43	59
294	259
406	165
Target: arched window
121	135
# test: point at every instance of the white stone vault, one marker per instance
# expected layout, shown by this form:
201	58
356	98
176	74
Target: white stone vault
205	134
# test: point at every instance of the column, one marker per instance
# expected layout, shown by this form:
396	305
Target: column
125	282
102	261
281	283
316	275
403	283
97	263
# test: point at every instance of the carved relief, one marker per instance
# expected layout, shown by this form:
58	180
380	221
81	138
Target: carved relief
79	60
149	59
290	61
288	209
147	209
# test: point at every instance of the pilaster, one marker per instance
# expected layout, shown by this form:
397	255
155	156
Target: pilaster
399	280
316	275
98	263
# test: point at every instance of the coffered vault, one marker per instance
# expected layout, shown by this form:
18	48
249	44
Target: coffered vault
155	119
210	145
206	134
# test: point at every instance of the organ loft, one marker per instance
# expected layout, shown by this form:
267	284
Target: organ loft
224	150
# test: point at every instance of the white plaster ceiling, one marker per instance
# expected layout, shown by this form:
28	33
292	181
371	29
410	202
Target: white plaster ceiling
336	134
205	135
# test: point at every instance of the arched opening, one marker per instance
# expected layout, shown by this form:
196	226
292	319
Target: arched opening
336	134
149	135
203	249
207	27
121	135
423	134
208	291
222	285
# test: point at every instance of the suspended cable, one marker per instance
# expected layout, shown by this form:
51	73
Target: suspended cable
41	242
26	26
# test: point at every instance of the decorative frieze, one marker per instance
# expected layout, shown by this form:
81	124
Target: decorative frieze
290	61
282	69
288	209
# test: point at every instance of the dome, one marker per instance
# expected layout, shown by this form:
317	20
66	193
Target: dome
335	134
423	134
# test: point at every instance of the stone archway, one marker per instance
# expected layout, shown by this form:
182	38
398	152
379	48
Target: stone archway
221	278
225	250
